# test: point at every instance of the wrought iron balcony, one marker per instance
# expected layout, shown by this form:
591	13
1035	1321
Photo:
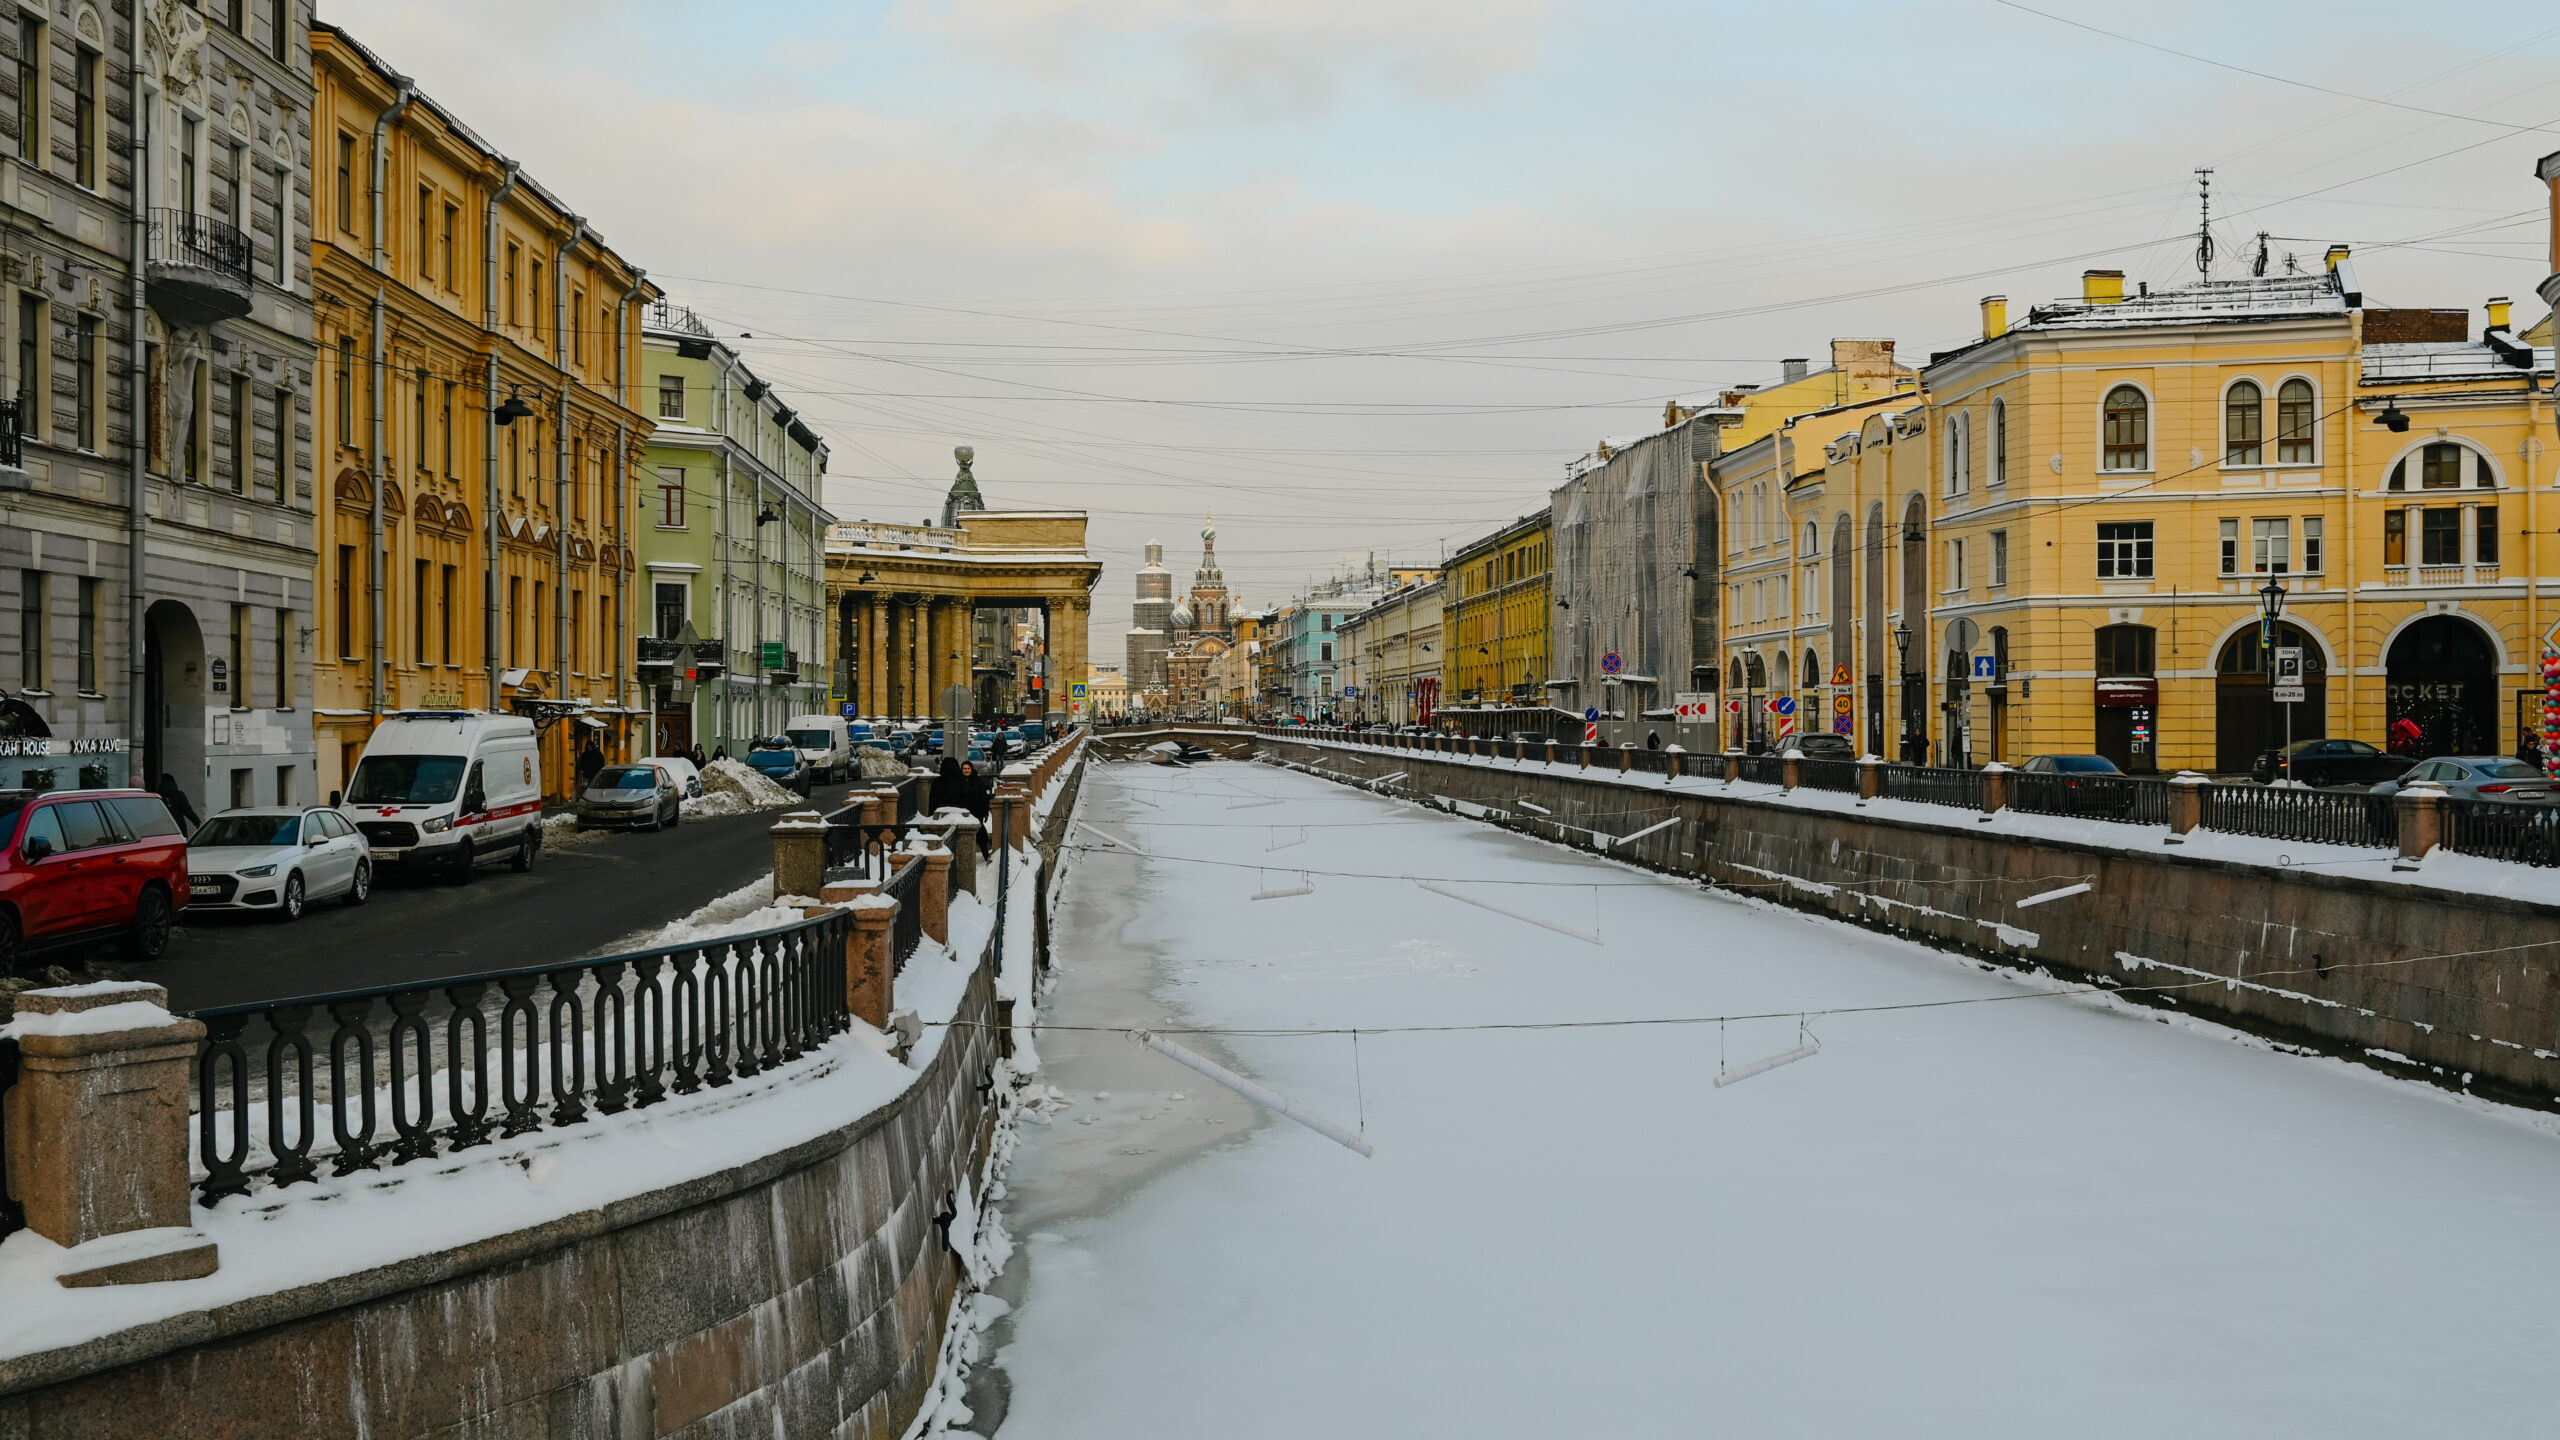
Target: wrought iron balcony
200	267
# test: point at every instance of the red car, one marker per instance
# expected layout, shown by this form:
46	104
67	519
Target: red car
88	864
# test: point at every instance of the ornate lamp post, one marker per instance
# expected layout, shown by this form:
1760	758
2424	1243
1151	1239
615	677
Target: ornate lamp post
1902	648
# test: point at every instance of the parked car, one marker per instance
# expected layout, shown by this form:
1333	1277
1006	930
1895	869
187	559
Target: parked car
780	761
1826	746
2478	777
2089	784
88	864
446	790
276	860
644	797
2330	762
688	779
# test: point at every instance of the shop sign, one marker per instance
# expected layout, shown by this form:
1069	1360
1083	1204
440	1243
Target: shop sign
2120	693
31	749
2415	691
221	675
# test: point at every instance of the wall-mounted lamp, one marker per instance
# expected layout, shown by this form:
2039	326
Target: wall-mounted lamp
2393	418
514	408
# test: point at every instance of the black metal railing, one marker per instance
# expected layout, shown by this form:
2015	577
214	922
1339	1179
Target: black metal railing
13	1215
1934	785
200	242
13	430
2327	817
2095	797
1766	769
1837	775
2527	832
906	886
1650	762
566	1043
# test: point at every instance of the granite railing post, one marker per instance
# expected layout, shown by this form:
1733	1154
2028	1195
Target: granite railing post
1551	750
1626	756
98	1132
933	895
799	853
1732	766
1791	770
2186	805
1995	789
2419	809
870	977
1671	762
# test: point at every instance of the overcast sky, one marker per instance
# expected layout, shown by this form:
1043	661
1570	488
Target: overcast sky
1365	275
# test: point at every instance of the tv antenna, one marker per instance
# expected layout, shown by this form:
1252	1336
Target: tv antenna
2204	228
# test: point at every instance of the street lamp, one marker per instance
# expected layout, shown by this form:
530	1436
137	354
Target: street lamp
2270	607
1902	649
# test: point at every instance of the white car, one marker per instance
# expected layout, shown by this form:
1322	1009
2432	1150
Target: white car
277	860
688	780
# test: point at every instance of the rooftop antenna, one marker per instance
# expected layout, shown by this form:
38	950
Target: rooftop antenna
2260	268
2204	229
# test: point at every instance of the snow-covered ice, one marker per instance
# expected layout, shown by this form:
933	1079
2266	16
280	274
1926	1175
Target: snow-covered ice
2055	1216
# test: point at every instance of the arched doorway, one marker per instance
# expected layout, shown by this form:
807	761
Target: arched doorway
173	703
2128	697
1871	615
2444	684
2247	723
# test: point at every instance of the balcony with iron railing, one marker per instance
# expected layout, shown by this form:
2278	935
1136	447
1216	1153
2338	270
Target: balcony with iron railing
199	268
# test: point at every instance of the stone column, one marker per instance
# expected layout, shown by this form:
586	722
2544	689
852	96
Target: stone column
933	895
799	853
1870	778
1791	770
98	1131
875	656
869	974
1012	815
1995	789
2419	809
1068	651
2186	805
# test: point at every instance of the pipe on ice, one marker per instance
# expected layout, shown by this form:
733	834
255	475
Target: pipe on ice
1259	1095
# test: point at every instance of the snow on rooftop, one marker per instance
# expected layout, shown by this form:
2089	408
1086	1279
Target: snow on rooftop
2410	362
2258	298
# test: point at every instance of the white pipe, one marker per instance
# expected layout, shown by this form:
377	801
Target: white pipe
1437	888
1648	830
1281	894
1269	1099
1388	779
1114	839
1762	1066
2064	893
1535	809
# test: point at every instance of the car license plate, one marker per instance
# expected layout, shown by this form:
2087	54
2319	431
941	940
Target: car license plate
204	887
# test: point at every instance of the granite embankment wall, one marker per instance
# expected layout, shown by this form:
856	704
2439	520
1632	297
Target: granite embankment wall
804	1295
2461	989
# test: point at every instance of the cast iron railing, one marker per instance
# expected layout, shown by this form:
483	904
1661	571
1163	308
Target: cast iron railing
2527	832
1837	775
1934	785
2326	817
13	1216
200	242
1766	769
2093	797
906	886
588	1038
1650	762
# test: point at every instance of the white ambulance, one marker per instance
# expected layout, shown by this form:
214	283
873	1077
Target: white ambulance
448	790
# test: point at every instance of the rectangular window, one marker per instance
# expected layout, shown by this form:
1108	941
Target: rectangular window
577	332
2484	536
2440	535
444	430
347	183
418	420
277	211
2270	547
513	255
190	131
533	297
444	615
239	183
284	661
240	639
84	360
346	597
346	389
241	406
2310	544
280	29
31	92
577	477
2395	537
32	397
88	637
1955	563
2230	547
536	646
515	619
445	252
672	603
33	630
1328	654
84	119
576	659
1999	558
285	457
426	210
2124	550
418	615
670	397
2440	467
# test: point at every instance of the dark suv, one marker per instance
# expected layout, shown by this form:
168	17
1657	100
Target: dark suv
88	864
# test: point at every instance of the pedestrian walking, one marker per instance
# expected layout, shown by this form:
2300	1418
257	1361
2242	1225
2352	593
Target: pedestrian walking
980	799
1653	739
179	809
590	764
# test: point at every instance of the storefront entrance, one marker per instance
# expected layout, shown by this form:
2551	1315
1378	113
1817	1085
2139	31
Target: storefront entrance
2246	722
2443	689
2128	698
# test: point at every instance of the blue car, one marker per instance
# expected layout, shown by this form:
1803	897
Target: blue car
778	760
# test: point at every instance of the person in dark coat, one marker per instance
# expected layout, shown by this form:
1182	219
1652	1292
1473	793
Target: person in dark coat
948	785
696	756
176	798
980	799
590	765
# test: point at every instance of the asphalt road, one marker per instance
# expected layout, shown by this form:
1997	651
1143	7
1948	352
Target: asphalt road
585	891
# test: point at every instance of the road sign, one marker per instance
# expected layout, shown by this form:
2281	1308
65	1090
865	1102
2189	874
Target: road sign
1694	707
956	701
1786	726
1843	724
2287	687
1610	664
1076	691
1985	667
1733	707
773	654
1784	704
1591	733
1350	692
1842	704
1839	674
1591	713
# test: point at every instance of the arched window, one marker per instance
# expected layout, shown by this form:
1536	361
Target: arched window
2243	420
1812	668
1754	675
1958	481
1999	442
2127	440
1812	538
2443	465
2294	422
1737	672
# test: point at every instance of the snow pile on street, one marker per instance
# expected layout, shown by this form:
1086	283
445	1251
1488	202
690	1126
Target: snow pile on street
733	787
873	763
2047	1216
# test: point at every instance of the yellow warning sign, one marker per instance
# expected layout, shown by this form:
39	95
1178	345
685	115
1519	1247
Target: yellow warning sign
1839	674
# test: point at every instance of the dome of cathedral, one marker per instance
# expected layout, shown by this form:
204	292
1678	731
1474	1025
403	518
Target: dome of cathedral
1182	614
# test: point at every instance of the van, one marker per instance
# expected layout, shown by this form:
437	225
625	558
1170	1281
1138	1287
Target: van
825	744
444	791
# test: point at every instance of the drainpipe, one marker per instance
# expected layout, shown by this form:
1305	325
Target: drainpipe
560	461
621	502
381	557
728	679
489	420
138	446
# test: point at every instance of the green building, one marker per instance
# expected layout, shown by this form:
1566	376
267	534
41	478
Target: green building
732	547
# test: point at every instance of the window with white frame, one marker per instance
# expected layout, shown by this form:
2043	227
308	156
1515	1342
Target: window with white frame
2271	546
1955	564
1999	442
2311	545
1959	458
2124	550
2230	546
2126	427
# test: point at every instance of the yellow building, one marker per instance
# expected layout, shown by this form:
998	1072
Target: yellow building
1497	599
475	437
1106	692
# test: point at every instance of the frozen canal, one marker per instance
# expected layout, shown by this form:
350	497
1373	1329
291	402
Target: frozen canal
2043	1217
